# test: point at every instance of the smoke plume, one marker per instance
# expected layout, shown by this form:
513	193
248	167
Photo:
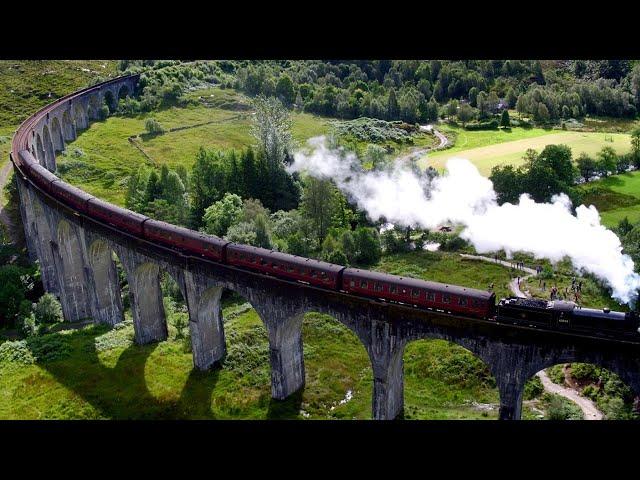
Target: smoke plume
406	197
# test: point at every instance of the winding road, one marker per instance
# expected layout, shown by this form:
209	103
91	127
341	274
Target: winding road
417	152
589	409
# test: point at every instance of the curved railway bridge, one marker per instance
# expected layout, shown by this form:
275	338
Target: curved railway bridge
75	256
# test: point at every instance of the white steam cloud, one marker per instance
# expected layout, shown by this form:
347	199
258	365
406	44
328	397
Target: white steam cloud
463	196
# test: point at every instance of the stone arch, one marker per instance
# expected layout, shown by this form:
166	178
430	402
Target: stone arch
56	135
327	337
68	132
80	116
123	91
461	372
624	371
105	283
75	294
110	100
49	152
149	318
39	151
93	106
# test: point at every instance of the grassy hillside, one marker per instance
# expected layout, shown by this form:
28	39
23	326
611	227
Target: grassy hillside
489	148
221	120
28	85
615	197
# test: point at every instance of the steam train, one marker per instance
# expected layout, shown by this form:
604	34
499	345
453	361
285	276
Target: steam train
549	315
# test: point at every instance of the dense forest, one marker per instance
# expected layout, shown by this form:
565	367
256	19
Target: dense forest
413	90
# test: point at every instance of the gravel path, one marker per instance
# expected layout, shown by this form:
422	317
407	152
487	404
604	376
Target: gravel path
589	409
418	152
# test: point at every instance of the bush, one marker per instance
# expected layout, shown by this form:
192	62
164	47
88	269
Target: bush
153	127
103	112
49	348
17	352
533	388
559	408
48	310
490	125
338	257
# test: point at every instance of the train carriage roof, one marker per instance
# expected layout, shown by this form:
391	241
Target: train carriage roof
417	283
185	232
286	258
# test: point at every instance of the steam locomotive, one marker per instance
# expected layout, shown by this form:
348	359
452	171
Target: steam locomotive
550	315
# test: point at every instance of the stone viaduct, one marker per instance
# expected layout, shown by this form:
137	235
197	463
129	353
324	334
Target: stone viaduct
75	253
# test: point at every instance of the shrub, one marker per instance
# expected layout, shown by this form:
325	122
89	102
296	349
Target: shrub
559	408
103	112
153	127
49	348
17	352
533	388
490	125
338	257
48	310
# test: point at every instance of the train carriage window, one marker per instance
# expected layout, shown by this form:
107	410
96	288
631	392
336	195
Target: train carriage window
446	298
323	275
393	289
431	296
462	301
363	284
415	292
314	274
475	302
263	261
290	269
378	287
352	283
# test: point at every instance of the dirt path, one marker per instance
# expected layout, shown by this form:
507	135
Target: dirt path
418	152
589	410
513	284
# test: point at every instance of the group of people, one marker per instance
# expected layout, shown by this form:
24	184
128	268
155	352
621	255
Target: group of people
558	294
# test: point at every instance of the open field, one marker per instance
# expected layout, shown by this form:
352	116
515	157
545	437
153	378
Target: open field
113	157
615	197
487	149
28	85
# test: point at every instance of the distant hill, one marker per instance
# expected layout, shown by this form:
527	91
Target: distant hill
27	85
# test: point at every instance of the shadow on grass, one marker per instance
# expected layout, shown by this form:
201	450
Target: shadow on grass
287	409
121	392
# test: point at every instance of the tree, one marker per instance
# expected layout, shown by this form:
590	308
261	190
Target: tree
318	204
223	214
465	113
505	122
153	126
635	143
586	166
542	113
367	243
393	109
624	226
285	90
377	155
511	98
48	310
272	130
558	159
607	161
507	182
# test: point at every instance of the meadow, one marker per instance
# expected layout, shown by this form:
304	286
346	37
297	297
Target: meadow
615	197
220	121
486	149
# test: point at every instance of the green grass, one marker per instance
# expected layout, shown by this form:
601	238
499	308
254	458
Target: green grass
615	197
449	268
485	149
113	158
28	85
104	375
